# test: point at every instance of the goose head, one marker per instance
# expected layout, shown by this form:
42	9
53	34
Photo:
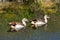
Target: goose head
45	18
24	20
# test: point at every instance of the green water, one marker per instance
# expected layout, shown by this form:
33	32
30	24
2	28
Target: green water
53	32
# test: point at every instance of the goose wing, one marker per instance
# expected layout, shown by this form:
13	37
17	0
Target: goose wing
39	23
18	27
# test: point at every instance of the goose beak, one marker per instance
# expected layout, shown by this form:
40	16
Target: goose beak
48	17
27	21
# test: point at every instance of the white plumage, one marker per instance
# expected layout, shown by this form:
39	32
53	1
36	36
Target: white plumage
40	22
18	26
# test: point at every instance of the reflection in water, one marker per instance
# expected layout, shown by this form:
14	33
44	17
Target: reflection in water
30	35
46	27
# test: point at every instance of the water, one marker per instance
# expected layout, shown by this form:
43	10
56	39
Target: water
32	35
53	32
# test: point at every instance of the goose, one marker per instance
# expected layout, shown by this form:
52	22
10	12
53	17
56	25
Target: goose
36	23
18	26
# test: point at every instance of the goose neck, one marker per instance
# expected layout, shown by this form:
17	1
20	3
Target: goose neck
45	20
24	23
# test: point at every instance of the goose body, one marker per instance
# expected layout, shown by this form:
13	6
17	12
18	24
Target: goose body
39	23
18	26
